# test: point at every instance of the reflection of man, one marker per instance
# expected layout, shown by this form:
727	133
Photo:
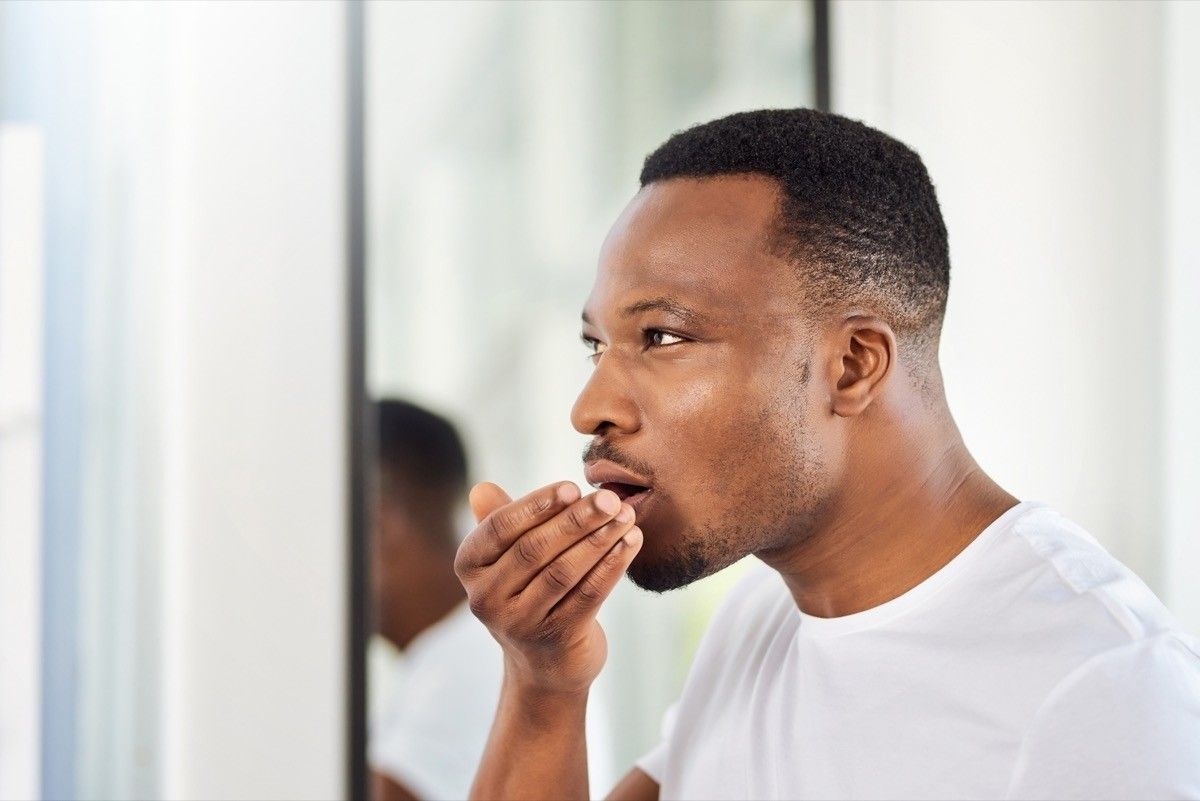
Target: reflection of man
765	326
446	679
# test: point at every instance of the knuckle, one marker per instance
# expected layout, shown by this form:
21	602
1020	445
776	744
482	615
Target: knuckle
513	519
557	577
577	517
480	606
501	522
486	530
462	562
599	537
529	551
612	558
590	591
540	504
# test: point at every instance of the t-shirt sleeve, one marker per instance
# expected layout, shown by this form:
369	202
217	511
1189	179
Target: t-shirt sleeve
655	761
1124	725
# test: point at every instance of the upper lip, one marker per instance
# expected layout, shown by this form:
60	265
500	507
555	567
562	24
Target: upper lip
603	471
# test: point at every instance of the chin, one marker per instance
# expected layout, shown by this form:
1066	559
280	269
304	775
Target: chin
662	573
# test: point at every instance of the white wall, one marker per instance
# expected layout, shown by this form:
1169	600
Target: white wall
195	318
21	195
255	577
1042	125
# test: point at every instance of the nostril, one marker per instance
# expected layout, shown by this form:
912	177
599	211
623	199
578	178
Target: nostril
602	428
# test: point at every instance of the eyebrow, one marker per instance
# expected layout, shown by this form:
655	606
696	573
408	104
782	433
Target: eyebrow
666	304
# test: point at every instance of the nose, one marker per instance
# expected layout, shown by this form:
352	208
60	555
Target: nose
605	403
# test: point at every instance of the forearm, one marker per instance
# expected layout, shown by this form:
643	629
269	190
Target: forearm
537	747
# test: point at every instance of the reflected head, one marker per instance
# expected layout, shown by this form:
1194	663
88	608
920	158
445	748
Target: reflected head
422	469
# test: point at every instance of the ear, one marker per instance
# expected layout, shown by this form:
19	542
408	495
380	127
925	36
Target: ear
864	355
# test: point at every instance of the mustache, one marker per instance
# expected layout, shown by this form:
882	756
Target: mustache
604	449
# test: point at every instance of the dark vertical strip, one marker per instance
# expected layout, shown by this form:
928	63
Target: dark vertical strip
820	9
357	409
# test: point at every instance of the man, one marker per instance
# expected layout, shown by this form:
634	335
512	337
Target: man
445	680
765	325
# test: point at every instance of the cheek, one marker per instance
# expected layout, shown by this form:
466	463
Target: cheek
762	444
712	429
694	414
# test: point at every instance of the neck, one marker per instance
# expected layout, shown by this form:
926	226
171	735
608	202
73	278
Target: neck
914	500
430	593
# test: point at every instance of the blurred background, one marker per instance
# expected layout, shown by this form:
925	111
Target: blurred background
228	230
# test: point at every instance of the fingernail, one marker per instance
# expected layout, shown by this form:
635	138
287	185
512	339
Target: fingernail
634	537
626	513
566	493
608	502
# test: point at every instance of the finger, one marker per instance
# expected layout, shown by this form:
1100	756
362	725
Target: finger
502	526
486	498
584	600
562	574
538	547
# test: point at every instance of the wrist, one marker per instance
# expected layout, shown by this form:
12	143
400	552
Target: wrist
543	702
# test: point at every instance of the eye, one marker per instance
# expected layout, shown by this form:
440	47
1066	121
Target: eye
595	347
658	338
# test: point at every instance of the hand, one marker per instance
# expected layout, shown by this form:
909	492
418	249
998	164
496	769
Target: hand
536	571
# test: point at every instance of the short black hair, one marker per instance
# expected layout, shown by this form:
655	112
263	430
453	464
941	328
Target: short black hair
420	452
858	210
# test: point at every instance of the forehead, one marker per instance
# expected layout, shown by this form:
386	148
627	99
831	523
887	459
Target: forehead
701	241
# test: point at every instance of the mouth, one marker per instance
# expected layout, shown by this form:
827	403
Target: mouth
629	487
629	493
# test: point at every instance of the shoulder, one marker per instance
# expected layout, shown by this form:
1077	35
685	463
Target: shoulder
1166	665
1133	682
445	687
1123	724
1064	580
1119	677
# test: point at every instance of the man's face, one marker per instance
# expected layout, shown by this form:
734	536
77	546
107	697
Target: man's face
705	386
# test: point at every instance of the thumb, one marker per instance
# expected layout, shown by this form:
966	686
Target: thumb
486	498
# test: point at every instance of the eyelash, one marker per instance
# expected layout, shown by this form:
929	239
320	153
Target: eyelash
648	334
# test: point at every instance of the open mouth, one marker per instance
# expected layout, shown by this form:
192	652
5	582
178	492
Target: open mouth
629	486
625	491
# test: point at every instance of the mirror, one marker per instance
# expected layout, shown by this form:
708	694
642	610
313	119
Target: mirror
502	140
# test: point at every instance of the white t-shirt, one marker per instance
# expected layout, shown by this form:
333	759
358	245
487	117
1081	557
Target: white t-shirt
1033	665
440	701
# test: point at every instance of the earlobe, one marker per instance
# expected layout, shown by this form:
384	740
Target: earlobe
867	353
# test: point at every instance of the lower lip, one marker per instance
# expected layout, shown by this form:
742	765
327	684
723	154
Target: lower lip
638	501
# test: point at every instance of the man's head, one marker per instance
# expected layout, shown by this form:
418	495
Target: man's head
778	283
422	481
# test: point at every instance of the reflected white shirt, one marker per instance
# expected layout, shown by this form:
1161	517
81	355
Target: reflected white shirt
430	727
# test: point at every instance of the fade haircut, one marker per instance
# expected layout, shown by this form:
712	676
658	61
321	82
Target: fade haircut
858	213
